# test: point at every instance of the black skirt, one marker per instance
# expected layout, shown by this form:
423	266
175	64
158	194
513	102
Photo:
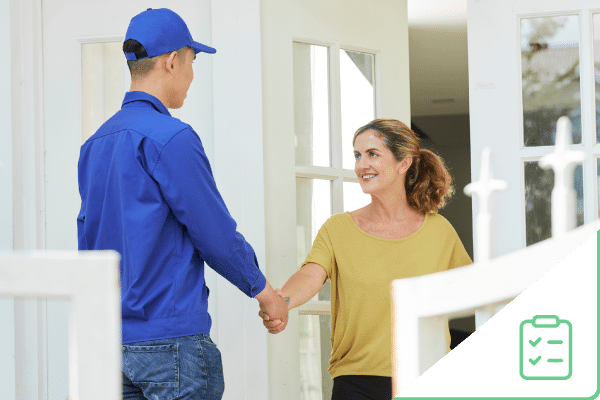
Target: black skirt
362	387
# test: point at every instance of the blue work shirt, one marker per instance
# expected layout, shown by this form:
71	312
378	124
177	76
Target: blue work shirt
148	192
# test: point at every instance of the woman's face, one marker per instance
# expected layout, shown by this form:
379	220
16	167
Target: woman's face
375	166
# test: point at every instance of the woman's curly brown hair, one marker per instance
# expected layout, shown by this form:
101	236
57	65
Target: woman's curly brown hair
428	183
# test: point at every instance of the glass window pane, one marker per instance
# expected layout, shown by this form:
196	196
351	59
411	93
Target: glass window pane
538	191
101	84
358	97
315	351
578	185
596	24
354	198
311	104
550	76
313	208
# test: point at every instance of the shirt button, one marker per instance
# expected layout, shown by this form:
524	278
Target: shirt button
254	289
149	9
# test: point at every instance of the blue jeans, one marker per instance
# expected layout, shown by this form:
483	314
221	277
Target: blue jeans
187	367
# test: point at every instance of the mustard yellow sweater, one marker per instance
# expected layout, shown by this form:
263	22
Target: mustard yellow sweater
361	268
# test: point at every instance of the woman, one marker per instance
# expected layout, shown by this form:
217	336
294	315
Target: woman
398	235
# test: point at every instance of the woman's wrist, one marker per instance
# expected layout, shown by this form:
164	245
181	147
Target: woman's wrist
284	295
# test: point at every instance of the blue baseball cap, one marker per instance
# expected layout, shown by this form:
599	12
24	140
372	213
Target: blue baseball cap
161	31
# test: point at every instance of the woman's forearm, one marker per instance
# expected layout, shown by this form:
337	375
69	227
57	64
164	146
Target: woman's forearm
304	284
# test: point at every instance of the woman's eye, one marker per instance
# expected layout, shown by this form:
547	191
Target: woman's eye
356	156
371	154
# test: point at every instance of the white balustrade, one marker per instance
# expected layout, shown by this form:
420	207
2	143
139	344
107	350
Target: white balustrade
90	281
421	306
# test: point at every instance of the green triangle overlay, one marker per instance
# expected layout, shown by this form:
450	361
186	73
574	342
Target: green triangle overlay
486	364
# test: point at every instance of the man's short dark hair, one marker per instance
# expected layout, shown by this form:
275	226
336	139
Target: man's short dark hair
143	64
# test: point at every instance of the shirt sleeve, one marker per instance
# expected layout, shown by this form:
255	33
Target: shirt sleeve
188	186
322	252
81	243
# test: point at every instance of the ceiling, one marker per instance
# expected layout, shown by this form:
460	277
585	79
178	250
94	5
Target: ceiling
439	80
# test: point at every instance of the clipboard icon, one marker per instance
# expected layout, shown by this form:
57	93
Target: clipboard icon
546	348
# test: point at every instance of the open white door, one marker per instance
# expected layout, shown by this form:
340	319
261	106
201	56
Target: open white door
329	67
530	62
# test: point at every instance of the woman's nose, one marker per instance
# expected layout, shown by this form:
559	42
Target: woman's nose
361	162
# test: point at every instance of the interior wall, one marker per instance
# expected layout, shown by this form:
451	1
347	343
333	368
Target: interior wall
458	210
447	135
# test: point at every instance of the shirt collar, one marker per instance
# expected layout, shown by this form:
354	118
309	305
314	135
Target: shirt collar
136	96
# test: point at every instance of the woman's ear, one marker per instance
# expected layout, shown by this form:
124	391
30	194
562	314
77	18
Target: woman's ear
404	165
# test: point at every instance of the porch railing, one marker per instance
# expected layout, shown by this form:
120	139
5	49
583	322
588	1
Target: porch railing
90	281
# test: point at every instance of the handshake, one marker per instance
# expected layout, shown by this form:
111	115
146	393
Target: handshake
273	309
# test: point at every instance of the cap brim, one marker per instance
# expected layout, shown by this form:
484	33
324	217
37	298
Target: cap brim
199	47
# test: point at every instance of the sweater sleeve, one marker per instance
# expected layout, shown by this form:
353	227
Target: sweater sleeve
188	186
459	257
322	252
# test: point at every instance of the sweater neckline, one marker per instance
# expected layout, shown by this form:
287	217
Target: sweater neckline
415	233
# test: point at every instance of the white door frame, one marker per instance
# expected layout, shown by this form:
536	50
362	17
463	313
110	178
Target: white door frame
22	205
239	172
6	132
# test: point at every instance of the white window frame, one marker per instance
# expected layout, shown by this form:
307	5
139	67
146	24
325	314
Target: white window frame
336	174
90	281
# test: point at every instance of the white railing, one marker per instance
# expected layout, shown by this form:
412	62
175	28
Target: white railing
421	306
90	281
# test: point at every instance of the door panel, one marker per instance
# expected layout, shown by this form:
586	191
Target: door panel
328	68
530	62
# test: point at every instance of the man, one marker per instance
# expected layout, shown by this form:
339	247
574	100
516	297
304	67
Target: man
147	191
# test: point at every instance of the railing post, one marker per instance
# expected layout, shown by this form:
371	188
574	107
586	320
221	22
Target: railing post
484	188
563	161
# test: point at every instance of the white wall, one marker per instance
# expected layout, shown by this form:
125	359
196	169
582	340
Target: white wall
450	134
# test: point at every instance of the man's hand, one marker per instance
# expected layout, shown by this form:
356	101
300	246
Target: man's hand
273	309
273	325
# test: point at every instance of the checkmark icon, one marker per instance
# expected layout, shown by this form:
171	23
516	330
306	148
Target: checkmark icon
535	361
534	343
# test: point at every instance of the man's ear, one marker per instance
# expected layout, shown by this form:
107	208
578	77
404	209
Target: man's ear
170	61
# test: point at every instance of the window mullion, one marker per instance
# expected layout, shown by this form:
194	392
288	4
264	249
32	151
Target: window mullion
588	117
336	127
587	84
